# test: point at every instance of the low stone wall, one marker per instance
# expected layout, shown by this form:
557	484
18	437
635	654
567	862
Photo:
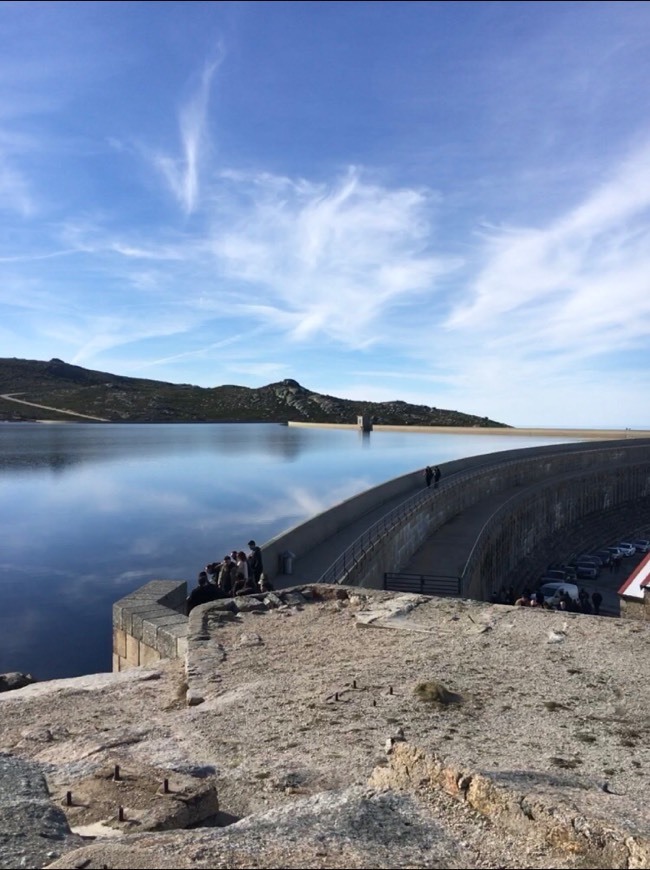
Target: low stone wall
636	608
150	624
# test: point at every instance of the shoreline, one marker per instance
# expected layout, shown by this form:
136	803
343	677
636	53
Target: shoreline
597	434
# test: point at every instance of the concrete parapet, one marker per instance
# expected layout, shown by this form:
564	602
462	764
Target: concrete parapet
150	624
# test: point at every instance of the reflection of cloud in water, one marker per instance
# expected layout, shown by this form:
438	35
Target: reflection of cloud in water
22	629
300	503
145	546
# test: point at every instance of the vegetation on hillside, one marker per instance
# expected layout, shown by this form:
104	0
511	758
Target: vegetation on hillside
137	400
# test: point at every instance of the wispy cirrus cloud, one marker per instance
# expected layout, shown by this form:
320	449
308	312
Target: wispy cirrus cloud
325	259
578	277
182	174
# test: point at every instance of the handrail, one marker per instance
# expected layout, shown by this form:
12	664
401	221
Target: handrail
353	554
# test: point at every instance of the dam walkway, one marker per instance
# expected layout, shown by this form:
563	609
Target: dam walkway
442	558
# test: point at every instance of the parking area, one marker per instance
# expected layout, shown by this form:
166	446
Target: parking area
606	579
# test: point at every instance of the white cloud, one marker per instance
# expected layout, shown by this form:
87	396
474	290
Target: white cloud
328	261
183	174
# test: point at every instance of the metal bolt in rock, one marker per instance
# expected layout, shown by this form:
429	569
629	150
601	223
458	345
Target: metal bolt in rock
116	775
68	798
165	786
120	814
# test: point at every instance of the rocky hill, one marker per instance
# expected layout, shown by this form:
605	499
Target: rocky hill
59	387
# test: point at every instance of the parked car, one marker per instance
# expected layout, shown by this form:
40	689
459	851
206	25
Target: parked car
553	574
552	591
589	560
615	551
605	555
586	571
627	548
586	560
642	546
570	572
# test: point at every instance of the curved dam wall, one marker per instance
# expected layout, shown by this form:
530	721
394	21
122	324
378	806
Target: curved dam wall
560	484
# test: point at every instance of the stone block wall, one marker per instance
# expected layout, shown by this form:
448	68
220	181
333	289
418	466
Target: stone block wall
150	624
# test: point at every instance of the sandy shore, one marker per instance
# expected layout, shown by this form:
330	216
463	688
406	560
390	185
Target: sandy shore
597	434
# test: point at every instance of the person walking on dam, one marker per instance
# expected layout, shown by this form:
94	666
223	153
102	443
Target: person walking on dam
436	477
428	475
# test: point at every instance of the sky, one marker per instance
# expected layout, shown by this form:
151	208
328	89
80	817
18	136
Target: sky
446	203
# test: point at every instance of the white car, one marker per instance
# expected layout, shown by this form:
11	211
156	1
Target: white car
642	546
551	592
627	548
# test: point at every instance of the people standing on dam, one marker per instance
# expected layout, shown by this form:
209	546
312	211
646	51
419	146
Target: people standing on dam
201	593
436	477
255	561
428	475
242	564
597	600
226	576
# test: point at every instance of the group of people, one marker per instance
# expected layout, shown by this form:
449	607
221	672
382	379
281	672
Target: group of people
238	573
584	604
432	474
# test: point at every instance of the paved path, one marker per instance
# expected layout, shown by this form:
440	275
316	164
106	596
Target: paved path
10	397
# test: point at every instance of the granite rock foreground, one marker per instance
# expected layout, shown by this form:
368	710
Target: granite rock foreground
342	728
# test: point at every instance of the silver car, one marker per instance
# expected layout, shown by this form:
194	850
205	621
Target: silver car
627	548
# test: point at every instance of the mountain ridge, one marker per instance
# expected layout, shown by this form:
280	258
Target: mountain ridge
116	398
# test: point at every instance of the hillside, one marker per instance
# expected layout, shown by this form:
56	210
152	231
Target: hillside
59	385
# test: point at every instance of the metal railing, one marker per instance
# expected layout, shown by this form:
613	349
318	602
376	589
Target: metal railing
357	550
425	584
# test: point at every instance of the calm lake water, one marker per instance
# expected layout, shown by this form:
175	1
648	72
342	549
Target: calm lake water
91	512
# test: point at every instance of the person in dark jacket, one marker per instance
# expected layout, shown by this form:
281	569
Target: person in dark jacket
255	561
436	477
201	593
597	600
428	475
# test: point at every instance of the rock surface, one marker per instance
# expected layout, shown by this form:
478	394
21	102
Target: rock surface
354	728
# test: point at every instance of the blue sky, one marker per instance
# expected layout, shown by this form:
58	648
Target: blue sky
445	203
